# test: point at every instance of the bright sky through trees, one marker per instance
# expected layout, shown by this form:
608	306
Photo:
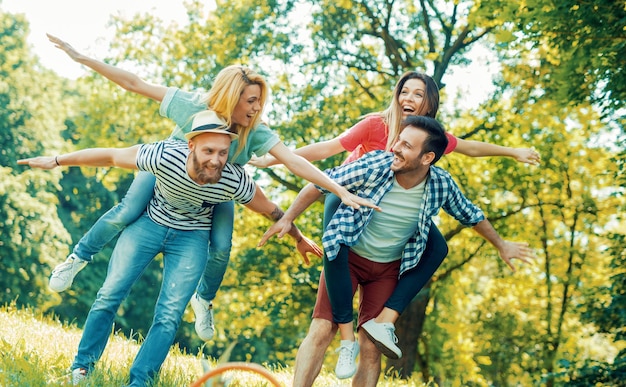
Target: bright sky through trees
84	25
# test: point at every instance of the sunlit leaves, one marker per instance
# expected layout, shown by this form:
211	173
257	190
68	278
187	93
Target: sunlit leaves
31	121
484	324
590	37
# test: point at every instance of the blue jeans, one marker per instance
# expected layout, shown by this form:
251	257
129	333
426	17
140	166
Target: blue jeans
219	250
134	204
184	259
121	215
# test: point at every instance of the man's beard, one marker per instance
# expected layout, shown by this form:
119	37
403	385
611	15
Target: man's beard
407	167
201	173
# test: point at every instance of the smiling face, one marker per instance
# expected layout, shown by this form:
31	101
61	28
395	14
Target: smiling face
409	152
248	107
209	153
412	98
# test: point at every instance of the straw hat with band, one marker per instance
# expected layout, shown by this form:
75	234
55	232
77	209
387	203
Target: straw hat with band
208	121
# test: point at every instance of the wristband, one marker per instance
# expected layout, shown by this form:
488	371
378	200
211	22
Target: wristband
56	160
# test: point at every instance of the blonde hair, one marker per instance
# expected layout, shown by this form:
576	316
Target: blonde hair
224	96
392	116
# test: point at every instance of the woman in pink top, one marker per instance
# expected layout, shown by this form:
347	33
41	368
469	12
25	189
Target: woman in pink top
370	134
414	94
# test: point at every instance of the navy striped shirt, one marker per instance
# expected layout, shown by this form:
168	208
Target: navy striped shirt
371	177
178	201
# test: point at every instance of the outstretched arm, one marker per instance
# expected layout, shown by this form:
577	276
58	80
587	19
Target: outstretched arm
508	250
303	168
484	149
94	157
312	152
262	205
123	78
307	196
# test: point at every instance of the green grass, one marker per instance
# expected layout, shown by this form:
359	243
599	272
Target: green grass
37	351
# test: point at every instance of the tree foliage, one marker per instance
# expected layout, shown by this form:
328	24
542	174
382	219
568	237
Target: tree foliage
579	40
556	321
605	308
31	234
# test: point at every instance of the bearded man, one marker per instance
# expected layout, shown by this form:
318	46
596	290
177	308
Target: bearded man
191	177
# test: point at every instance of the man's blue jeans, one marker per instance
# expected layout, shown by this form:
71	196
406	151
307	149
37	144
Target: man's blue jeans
134	204
121	215
184	259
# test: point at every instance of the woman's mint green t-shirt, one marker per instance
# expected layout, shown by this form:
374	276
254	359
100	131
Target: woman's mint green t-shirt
180	106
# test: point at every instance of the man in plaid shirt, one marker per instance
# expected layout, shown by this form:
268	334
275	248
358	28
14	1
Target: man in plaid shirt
373	249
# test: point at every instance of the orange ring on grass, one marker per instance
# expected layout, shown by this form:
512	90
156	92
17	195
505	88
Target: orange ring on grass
241	366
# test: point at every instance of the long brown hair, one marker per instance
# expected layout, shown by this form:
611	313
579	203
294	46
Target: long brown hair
392	116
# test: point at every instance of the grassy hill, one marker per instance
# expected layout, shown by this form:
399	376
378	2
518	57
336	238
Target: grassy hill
37	351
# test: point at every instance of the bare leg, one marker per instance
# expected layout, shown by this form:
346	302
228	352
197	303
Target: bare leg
310	357
387	315
369	365
346	331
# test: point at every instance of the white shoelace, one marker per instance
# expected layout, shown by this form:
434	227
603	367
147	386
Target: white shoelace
65	268
392	335
345	354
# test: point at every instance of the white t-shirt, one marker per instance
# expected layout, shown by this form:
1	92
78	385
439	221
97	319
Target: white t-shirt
386	235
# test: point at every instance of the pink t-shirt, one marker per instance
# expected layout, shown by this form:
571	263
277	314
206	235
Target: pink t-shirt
371	134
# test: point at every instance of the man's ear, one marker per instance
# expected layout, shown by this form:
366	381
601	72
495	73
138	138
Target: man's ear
427	158
190	144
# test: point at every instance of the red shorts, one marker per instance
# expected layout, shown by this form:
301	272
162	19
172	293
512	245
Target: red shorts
376	282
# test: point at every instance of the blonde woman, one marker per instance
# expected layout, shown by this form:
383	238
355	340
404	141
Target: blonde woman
238	95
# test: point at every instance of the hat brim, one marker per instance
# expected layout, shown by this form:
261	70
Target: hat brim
190	135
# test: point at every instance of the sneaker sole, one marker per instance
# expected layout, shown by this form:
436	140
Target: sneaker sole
382	347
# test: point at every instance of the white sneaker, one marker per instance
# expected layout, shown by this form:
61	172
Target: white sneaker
346	364
78	375
63	275
384	337
204	317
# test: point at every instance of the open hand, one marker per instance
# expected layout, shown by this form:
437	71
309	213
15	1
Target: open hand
527	155
281	228
43	162
354	201
306	246
259	162
63	45
516	250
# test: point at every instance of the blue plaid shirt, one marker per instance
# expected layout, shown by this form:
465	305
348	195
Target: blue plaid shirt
371	177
